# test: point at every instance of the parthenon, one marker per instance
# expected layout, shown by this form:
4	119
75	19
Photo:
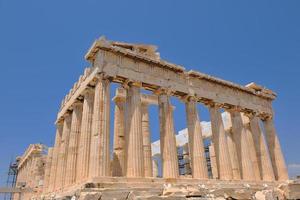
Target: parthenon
82	164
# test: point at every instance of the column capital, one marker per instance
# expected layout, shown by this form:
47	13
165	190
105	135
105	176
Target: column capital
265	116
213	104
67	116
77	104
102	76
232	109
128	83
88	92
189	98
165	91
59	122
251	115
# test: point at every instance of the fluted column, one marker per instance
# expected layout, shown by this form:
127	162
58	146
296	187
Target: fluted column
53	174
155	168
252	150
134	138
213	161
118	165
220	144
196	146
233	155
243	152
276	155
262	152
100	154
146	141
187	159
47	170
167	138
74	143
85	136
64	150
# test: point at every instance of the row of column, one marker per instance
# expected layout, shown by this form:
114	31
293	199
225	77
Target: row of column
244	153
81	148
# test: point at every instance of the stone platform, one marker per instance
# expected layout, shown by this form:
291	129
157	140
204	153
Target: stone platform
184	188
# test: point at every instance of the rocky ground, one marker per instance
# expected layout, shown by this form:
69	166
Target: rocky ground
192	192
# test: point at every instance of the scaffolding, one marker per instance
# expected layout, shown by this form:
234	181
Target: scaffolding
184	161
11	178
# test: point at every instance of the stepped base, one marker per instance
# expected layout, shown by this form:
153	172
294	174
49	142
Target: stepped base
176	189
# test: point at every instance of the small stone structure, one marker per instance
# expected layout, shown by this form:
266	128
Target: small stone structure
247	160
31	172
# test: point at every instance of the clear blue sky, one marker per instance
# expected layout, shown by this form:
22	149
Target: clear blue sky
42	47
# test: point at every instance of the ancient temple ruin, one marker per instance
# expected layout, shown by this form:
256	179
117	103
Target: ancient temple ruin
31	172
247	158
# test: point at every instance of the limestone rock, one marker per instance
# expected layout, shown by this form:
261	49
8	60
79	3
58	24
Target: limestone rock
90	196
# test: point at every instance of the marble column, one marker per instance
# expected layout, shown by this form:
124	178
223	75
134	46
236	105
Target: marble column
241	141
47	170
167	138
262	152
213	161
64	149
53	174
155	168
233	155
220	144
100	154
133	132
74	143
118	165
54	167
253	155
196	146
85	136
187	159
277	159
146	141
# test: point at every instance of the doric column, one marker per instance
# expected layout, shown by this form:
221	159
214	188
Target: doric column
146	141
220	144
262	152
85	136
213	161
167	138
241	142
64	150
155	168
99	157
251	146
187	159
133	129
47	170
233	155
196	146
278	162
118	165
53	174
74	143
